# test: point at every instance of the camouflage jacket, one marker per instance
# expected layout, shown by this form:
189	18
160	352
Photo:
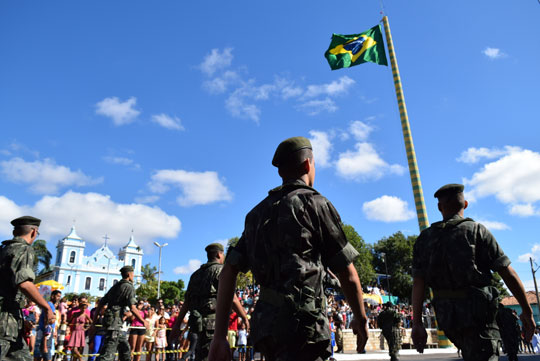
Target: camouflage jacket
388	319
289	238
455	257
120	297
16	267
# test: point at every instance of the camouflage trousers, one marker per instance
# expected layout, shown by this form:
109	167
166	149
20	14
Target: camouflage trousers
511	346
204	339
272	351
14	350
115	341
393	338
473	347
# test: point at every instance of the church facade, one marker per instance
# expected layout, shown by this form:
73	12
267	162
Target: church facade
96	273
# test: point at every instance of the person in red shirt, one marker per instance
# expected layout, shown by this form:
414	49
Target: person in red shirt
233	331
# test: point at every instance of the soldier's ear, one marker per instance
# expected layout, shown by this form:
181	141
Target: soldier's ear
439	207
466	205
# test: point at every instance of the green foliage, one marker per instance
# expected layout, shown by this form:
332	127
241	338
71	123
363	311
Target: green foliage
42	256
147	291
243	279
363	263
398	250
499	285
148	273
172	292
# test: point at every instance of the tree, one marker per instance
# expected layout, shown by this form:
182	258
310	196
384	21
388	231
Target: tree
148	273
42	256
497	282
398	251
363	263
243	279
172	291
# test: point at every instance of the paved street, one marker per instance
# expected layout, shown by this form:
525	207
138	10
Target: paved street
429	355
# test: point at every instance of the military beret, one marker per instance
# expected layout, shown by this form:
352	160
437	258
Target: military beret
26	221
126	269
447	189
214	247
288	147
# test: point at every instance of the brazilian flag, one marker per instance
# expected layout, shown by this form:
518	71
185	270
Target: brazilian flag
349	50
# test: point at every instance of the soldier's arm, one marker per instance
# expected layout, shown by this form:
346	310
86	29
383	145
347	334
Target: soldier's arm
219	349
419	334
350	284
512	281
237	306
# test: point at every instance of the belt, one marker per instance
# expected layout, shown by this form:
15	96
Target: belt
459	293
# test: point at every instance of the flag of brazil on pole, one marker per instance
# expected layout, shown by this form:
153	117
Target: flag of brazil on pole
349	50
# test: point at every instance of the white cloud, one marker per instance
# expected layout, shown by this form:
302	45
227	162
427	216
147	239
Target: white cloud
122	161
167	121
493	53
494	225
360	130
474	155
121	112
314	107
534	254
197	188
365	163
220	84
44	176
322	146
147	199
216	60
192	266
513	179
95	215
334	88
523	210
387	209
237	106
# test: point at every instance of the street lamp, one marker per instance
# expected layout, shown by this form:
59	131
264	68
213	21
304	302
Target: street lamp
387	275
160	246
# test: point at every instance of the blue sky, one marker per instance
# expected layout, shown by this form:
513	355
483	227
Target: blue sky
162	117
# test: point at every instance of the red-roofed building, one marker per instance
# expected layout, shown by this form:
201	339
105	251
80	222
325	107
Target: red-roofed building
513	304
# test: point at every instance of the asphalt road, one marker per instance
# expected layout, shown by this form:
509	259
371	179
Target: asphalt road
430	355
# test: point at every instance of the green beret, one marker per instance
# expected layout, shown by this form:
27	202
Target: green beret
288	147
214	247
26	221
126	269
448	189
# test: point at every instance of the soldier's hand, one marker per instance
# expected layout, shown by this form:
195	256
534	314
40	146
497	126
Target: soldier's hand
419	337
219	350
528	326
51	317
360	329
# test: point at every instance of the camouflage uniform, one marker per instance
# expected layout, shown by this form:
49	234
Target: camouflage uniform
201	296
119	297
510	332
16	267
288	240
389	321
455	258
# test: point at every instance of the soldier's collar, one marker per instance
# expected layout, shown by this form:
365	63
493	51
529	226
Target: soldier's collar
16	240
294	183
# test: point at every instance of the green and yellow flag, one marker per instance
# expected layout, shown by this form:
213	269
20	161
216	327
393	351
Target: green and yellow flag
349	50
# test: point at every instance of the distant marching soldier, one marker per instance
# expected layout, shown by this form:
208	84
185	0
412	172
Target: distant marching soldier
16	282
510	331
119	298
389	321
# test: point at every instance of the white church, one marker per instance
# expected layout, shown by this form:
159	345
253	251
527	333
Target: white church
96	273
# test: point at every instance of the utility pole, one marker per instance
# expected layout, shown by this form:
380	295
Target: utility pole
160	246
535	285
387	276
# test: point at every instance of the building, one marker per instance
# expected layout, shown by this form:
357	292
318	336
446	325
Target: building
96	273
513	304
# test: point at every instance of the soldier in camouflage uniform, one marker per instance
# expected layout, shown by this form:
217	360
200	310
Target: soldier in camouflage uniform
119	299
510	331
456	257
289	238
389	322
16	280
200	301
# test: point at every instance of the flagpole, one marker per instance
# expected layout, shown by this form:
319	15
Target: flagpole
407	136
421	212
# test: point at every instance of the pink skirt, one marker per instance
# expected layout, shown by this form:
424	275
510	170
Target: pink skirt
77	339
161	342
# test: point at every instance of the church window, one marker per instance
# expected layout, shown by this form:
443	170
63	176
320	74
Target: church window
68	279
72	257
133	263
88	283
101	284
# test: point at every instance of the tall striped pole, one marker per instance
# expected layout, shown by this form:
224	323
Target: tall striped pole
407	136
421	212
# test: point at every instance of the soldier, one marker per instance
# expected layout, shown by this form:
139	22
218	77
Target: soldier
508	324
119	299
17	281
389	321
200	301
455	257
289	238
